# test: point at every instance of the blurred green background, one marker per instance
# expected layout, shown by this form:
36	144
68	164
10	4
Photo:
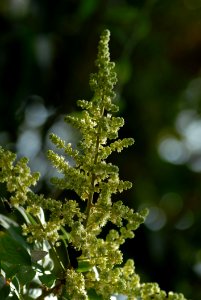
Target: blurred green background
47	51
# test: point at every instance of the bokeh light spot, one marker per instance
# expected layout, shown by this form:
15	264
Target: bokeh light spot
36	114
184	119
186	221
197	268
43	51
192	136
195	164
19	7
29	143
172	150
156	218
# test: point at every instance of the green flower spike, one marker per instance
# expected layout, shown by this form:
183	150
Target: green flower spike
101	271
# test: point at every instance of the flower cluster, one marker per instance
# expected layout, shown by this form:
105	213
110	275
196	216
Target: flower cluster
94	180
17	176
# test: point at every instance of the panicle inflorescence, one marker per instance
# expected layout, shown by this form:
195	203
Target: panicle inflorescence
94	180
76	285
17	177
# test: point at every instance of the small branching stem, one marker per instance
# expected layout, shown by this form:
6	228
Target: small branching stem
66	248
93	177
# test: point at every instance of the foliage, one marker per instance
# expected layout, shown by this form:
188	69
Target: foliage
53	227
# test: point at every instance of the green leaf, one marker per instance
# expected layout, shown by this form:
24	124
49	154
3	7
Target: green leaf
13	229
15	297
4	292
66	235
16	284
37	255
25	275
48	279
92	295
7	222
12	251
10	269
83	266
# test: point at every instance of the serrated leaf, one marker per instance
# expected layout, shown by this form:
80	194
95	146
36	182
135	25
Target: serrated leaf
12	252
25	275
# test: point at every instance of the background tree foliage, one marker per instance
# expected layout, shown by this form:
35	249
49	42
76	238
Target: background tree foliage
46	55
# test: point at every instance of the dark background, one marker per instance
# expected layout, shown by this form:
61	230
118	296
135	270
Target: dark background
47	51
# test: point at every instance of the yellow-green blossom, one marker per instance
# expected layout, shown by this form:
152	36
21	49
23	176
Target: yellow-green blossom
80	222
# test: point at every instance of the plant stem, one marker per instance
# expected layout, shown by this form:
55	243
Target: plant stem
66	247
57	257
53	249
93	177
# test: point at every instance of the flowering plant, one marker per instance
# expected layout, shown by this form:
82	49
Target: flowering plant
41	265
